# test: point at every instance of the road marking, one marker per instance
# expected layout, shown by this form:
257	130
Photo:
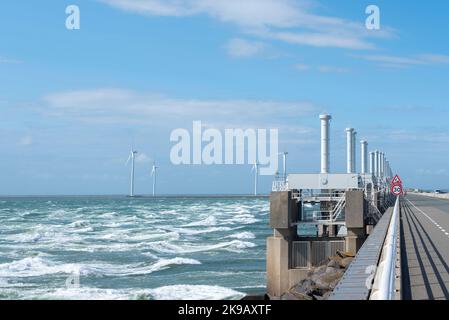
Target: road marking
427	216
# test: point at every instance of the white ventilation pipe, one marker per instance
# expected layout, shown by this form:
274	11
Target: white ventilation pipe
325	143
387	169
349	149
354	162
382	164
371	162
364	156
376	163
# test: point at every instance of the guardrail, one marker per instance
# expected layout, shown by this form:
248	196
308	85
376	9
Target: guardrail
386	278
357	282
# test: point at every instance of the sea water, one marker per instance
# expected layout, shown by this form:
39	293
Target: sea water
132	248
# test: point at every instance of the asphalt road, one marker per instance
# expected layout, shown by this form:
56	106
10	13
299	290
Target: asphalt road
425	248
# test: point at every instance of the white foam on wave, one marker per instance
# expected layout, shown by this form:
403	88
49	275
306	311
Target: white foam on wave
26	237
243	235
195	292
138	269
167	247
243	219
79	224
201	231
174	292
37	266
83	293
209	221
139	237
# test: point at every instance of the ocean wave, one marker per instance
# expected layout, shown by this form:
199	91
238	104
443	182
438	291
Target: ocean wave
194	292
146	236
243	219
37	266
167	247
201	231
243	235
83	293
79	224
209	221
174	292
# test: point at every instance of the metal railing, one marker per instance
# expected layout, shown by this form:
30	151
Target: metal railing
280	184
384	287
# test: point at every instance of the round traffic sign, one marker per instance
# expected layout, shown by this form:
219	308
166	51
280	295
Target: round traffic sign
396	189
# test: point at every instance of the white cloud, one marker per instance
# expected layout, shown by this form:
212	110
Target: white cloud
406	61
283	20
302	67
4	60
241	48
26	141
120	106
322	69
331	69
433	172
143	158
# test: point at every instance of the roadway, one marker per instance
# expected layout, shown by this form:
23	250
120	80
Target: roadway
425	248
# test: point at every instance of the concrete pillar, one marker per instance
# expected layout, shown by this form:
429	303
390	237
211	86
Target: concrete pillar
277	266
355	220
283	214
325	143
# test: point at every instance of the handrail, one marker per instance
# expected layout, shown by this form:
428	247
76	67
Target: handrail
385	279
338	209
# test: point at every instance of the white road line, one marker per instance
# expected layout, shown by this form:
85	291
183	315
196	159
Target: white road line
427	216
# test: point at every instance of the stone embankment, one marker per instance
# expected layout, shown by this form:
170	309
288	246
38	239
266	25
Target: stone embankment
322	280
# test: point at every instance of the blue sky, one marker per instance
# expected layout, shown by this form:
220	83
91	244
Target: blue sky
73	102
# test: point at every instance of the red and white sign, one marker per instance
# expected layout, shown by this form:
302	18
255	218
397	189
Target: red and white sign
396	180
396	186
396	189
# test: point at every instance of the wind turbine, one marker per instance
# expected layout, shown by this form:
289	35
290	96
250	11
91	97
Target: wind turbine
153	174
256	174
132	157
284	163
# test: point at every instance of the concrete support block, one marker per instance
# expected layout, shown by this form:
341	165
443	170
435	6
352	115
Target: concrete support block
283	210
355	239
354	210
278	281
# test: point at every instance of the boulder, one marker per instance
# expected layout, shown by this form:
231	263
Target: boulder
333	264
331	270
344	254
344	263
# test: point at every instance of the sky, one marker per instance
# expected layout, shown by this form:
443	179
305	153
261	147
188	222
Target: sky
74	102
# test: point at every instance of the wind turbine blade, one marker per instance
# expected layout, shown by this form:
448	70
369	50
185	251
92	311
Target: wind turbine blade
129	158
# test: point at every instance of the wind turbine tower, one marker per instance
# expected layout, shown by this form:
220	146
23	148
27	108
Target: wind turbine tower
132	157
256	175
153	174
